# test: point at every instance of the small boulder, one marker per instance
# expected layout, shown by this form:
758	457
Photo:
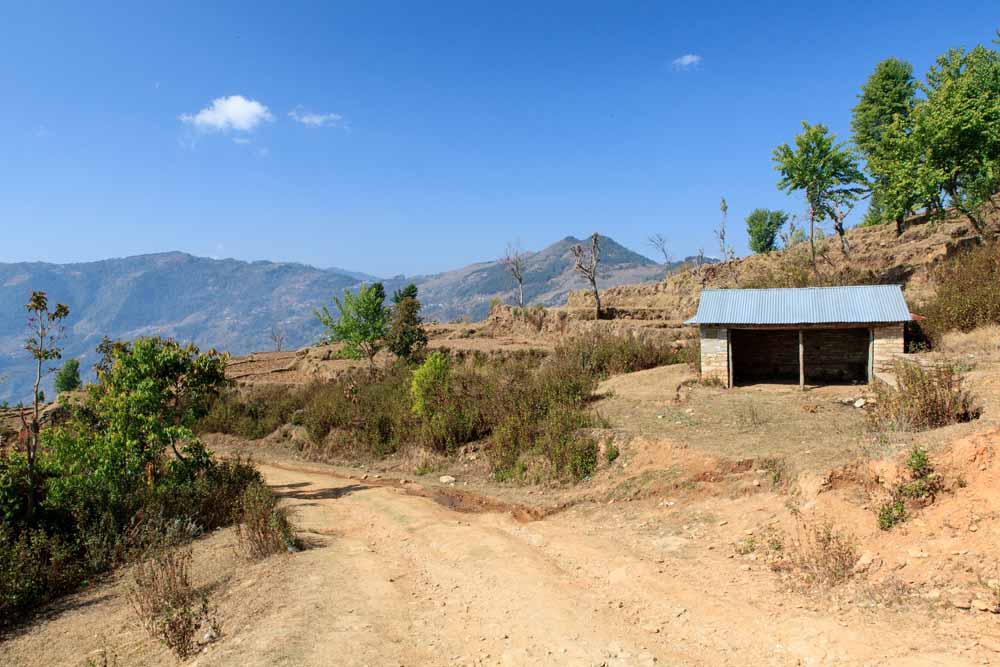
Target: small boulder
446	479
860	403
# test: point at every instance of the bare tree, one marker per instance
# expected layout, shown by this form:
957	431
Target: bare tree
277	336
839	213
586	265
660	244
728	254
46	329
513	261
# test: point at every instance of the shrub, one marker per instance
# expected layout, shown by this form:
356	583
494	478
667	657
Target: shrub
431	384
966	295
34	567
923	399
819	553
601	354
166	602
264	528
891	512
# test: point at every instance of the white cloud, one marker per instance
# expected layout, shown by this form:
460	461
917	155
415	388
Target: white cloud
687	61
242	141
229	113
313	119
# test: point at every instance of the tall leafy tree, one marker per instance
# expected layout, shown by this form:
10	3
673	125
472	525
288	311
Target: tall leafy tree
958	130
881	120
825	171
45	326
362	322
406	337
763	226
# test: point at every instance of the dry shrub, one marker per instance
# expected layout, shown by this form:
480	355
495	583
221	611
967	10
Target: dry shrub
749	416
264	528
923	399
966	294
167	604
817	553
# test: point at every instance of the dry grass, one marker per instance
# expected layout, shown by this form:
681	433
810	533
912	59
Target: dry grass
264	528
167	604
925	398
983	340
817	553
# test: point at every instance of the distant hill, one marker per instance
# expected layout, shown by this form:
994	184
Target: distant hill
234	305
549	277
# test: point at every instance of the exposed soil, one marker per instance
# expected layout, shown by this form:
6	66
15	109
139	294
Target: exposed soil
392	577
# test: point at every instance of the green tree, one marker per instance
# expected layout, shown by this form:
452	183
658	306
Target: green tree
68	377
146	403
45	326
763	226
408	292
826	171
882	119
958	129
362	323
406	336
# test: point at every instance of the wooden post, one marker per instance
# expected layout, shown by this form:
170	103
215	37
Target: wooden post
871	355
729	358
802	363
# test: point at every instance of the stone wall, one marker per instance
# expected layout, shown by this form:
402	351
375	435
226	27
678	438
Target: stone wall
714	354
889	346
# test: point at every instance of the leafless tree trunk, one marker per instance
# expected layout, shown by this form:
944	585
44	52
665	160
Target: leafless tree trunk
659	243
728	254
513	261
586	265
277	336
840	214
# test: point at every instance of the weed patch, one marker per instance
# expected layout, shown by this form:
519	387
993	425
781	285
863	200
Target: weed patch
923	399
167	604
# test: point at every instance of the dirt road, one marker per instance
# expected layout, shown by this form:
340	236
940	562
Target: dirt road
391	578
401	580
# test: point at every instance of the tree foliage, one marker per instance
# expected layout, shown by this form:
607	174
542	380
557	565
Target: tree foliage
68	377
406	337
763	226
933	144
362	322
825	171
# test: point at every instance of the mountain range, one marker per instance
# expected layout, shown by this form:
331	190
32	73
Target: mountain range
235	305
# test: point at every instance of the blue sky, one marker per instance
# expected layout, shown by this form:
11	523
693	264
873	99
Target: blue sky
415	137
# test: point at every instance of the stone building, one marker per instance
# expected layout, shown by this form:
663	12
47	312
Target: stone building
813	335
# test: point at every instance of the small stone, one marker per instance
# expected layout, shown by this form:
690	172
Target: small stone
446	479
917	553
932	595
961	602
983	605
364	477
973	528
860	403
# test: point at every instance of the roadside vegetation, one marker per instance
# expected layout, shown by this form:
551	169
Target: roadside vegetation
530	415
123	479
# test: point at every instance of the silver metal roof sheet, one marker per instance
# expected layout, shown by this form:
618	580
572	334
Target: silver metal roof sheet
808	305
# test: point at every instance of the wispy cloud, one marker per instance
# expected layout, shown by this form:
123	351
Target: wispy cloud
242	141
313	119
687	61
229	113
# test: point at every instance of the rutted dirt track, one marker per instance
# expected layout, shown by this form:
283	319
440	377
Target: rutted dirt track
392	578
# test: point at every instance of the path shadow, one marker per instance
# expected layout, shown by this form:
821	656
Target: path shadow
331	493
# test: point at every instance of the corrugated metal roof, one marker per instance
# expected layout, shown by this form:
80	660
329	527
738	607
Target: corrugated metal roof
809	305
